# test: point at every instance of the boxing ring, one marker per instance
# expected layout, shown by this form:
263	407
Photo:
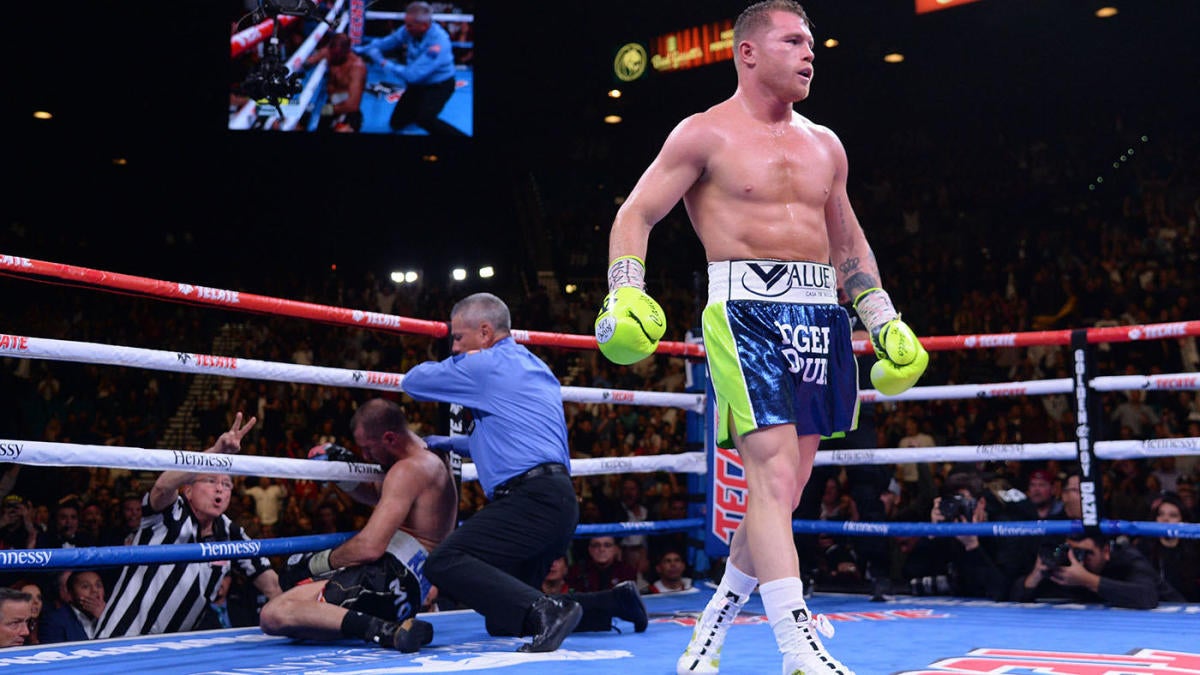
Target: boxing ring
965	636
380	94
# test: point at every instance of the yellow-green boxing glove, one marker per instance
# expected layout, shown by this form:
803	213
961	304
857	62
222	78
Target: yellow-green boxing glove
630	322
902	358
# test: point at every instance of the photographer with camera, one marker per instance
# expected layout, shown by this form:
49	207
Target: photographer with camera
1089	568
969	567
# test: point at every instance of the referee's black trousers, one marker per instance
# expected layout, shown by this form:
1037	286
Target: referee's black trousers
496	561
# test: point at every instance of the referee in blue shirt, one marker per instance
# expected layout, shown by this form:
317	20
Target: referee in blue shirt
427	74
495	562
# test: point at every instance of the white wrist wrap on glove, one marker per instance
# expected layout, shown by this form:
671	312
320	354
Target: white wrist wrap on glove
627	270
874	307
319	563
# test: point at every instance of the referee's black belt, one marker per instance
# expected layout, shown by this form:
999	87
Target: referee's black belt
547	469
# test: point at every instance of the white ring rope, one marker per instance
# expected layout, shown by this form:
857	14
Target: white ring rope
1167	382
21	346
1065	451
45	453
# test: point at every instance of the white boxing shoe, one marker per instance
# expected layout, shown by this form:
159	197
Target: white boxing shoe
703	653
807	656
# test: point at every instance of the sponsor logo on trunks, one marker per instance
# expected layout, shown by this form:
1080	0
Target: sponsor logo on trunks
14	343
772	281
14	261
800	342
11	450
992	660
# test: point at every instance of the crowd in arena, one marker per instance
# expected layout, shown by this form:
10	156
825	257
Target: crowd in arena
1016	243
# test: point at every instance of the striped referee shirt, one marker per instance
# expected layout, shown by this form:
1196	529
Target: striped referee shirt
171	597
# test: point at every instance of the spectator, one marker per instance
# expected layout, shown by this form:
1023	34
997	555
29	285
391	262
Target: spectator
268	495
670	569
17	529
65	527
1177	560
14	617
75	621
35	607
555	582
602	570
1089	568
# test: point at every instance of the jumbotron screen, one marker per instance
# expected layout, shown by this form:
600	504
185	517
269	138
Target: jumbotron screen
354	66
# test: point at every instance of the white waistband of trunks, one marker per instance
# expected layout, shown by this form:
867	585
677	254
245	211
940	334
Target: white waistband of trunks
407	550
798	282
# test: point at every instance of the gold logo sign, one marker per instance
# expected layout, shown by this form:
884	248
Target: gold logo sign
630	63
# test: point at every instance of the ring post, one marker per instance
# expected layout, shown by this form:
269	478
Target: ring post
1087	420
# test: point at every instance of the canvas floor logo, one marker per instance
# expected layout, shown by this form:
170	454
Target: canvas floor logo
1148	661
470	656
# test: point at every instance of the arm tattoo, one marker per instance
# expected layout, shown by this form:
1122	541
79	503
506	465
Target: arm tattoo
858	277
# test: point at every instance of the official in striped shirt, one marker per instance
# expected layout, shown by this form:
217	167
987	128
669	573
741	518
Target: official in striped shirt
172	597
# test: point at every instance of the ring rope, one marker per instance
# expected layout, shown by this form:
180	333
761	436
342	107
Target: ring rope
1015	528
23	346
249	302
49	453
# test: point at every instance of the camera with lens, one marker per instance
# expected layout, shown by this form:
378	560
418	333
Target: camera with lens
957	506
1054	557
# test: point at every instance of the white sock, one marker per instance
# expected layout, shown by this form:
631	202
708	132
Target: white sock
737	581
782	598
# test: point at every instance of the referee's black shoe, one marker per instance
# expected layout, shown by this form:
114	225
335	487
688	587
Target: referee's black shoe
406	637
551	620
630	606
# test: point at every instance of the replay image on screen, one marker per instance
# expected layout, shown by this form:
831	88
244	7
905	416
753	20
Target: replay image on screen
353	66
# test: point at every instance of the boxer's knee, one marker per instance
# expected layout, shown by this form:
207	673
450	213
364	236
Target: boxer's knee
273	617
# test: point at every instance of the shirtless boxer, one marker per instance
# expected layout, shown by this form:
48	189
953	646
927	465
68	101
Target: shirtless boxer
765	189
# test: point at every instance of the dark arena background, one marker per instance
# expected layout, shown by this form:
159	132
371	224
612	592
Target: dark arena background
1027	166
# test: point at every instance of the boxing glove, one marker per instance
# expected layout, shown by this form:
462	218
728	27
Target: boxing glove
902	358
332	452
630	323
302	566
